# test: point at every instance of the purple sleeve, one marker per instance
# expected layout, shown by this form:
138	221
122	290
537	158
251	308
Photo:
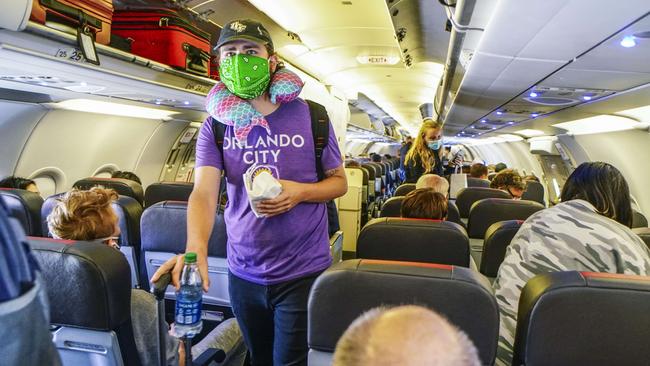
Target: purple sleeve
207	153
332	154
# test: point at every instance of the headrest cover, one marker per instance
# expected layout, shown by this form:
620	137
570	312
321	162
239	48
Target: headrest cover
638	220
477	182
124	187
164	229
404	189
534	192
25	206
490	210
497	238
467	196
392	207
167	191
453	215
414	240
555	309
463	296
88	284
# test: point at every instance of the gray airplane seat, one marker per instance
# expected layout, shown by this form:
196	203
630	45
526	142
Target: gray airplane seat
404	189
487	211
643	233
497	238
128	212
461	295
90	299
414	240
167	191
638	219
24	307
392	207
581	318
123	187
478	182
24	206
164	234
534	192
467	196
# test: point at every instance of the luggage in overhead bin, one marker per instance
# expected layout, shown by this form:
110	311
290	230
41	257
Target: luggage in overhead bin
167	36
91	16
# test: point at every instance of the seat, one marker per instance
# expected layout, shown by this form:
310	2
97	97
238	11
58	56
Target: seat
487	211
404	189
392	207
167	191
534	192
581	318
453	214
461	295
467	196
128	212
90	299
414	240
123	187
497	238
643	233
638	219
24	206
477	182
164	233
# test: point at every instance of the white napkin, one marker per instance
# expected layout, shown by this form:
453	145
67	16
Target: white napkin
260	185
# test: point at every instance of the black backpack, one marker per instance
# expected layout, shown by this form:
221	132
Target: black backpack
320	131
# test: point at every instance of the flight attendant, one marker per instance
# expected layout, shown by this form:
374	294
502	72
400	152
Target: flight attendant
425	155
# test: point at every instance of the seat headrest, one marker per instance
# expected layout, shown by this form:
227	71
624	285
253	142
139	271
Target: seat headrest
404	189
167	191
477	182
24	206
414	240
638	220
584	318
490	210
123	187
372	172
392	207
88	284
453	215
467	196
461	295
643	233
164	229
128	212
364	173
497	238
534	192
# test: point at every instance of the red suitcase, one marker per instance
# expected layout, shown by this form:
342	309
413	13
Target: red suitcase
165	36
94	14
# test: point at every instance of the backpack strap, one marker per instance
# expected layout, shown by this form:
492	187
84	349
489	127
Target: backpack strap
219	132
320	130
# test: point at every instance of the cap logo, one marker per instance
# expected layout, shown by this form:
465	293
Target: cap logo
260	31
238	27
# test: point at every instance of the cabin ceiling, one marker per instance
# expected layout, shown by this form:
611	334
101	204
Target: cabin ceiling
335	33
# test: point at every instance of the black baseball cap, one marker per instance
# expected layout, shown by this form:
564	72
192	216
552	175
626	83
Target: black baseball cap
248	29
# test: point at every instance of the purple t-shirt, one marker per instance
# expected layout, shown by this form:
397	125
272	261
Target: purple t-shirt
284	247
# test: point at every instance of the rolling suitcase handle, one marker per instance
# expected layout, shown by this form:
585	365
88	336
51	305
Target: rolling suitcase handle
197	61
158	290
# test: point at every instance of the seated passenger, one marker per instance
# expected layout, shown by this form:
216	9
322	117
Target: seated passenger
509	181
478	171
424	203
530	178
19	183
88	215
404	336
435	182
499	167
122	174
352	164
588	231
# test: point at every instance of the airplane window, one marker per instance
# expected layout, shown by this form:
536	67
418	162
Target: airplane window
46	186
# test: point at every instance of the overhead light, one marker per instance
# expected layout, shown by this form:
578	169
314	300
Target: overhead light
378	60
533	95
534	115
628	41
586	97
115	109
499	113
483	120
530	133
511	122
597	124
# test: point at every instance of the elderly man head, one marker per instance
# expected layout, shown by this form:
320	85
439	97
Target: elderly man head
436	182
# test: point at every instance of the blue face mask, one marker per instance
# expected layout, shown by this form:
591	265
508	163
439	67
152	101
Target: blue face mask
434	145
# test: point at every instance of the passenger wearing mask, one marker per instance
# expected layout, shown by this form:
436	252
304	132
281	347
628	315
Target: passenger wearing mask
19	183
407	335
88	215
424	203
406	146
435	182
509	181
123	174
425	155
588	231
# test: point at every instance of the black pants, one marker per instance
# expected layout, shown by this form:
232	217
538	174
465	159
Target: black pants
273	319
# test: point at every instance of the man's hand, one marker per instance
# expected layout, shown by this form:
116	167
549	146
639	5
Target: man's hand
175	266
292	194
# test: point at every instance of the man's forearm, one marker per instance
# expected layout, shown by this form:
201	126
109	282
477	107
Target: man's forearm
327	189
200	219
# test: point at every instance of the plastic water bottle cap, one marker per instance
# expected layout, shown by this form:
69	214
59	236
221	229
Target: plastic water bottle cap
190	257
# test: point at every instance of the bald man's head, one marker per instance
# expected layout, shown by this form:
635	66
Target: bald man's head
435	182
404	336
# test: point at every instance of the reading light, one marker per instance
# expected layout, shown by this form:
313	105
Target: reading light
586	97
533	95
115	109
534	115
628	41
499	113
483	120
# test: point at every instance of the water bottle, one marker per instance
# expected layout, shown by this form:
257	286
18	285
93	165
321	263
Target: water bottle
188	300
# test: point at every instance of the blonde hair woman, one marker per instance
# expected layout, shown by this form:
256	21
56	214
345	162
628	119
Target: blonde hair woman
425	154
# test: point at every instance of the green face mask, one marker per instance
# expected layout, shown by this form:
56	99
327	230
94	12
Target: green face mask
246	76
